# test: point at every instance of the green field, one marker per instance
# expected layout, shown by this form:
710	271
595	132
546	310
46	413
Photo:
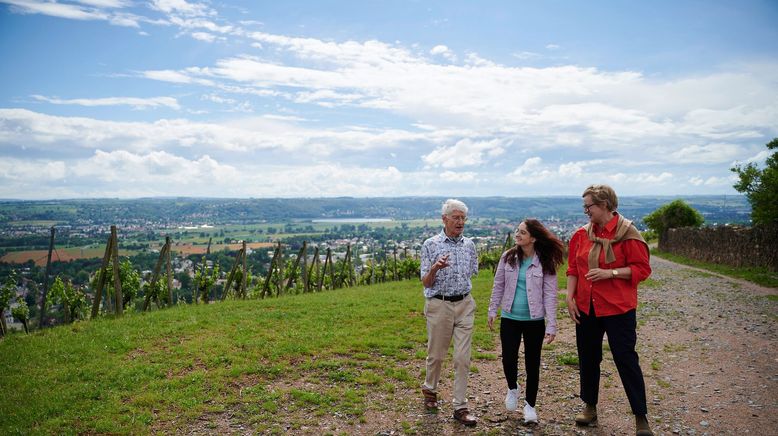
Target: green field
265	362
252	231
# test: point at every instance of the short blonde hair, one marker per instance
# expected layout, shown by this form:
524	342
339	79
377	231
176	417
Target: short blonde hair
603	194
450	205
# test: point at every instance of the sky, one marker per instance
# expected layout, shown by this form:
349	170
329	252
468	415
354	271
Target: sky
225	98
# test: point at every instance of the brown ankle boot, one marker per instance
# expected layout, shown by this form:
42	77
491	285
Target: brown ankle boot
641	426
588	415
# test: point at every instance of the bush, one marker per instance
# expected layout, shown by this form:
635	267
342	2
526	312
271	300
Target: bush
671	215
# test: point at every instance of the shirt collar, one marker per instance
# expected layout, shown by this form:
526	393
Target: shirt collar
448	238
610	226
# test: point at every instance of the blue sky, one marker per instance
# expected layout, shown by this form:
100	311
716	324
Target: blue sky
130	98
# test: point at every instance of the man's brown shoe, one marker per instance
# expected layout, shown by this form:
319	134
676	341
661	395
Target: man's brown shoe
463	416
641	426
588	416
430	400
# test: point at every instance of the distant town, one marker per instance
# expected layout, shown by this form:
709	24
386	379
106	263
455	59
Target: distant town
374	230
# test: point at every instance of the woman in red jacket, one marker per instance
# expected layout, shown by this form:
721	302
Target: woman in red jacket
607	259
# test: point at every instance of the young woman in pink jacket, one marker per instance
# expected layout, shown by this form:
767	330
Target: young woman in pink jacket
525	291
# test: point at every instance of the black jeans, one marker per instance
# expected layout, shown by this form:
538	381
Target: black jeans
511	332
622	336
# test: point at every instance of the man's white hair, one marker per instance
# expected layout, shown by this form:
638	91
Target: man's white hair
450	205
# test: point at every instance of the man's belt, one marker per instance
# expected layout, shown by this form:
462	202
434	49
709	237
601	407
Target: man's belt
451	297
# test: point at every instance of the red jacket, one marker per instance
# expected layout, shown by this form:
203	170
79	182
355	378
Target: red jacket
611	296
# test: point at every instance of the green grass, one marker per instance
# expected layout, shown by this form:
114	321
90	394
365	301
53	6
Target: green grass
253	360
567	359
760	276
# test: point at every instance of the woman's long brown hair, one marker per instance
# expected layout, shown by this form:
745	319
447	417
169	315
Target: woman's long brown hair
548	247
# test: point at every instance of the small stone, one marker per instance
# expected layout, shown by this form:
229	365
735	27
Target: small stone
704	423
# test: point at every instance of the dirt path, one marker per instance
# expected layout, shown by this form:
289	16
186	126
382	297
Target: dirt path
708	352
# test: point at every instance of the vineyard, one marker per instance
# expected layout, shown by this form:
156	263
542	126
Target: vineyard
314	268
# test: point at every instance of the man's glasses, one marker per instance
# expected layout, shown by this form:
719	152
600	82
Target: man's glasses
587	206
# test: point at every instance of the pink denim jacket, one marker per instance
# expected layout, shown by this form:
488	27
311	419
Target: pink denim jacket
541	291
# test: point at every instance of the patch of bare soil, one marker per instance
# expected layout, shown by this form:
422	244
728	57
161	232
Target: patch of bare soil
707	347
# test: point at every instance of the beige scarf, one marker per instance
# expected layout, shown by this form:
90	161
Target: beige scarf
624	230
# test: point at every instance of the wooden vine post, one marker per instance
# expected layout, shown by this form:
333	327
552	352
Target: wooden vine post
327	260
405	258
245	275
394	272
203	269
315	263
231	276
42	319
300	254
505	246
103	271
168	244
346	262
266	286
304	268
117	282
155	276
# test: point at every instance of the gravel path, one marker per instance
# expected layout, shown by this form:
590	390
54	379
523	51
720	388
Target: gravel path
708	352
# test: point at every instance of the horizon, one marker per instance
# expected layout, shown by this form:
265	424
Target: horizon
239	99
360	198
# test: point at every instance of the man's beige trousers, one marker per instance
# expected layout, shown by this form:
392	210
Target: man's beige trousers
447	320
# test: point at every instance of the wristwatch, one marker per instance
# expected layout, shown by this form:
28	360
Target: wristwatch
615	272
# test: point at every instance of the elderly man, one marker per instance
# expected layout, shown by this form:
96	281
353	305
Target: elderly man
448	262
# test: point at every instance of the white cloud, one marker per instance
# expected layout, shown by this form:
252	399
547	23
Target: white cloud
85	10
531	172
14	170
458	177
138	103
525	55
706	154
182	7
106	3
713	181
54	9
203	36
760	157
465	152
445	52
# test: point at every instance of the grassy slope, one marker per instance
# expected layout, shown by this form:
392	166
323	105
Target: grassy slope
153	371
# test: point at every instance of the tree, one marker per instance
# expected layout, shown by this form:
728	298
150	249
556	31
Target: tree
671	215
761	187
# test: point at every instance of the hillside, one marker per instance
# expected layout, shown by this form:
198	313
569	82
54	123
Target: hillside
350	362
343	353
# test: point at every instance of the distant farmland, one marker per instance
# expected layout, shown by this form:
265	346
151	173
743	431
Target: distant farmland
68	254
60	254
187	249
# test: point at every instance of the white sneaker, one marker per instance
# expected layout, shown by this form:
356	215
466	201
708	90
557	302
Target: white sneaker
512	399
529	414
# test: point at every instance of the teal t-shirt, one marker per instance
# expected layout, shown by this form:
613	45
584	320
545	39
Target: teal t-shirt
520	308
